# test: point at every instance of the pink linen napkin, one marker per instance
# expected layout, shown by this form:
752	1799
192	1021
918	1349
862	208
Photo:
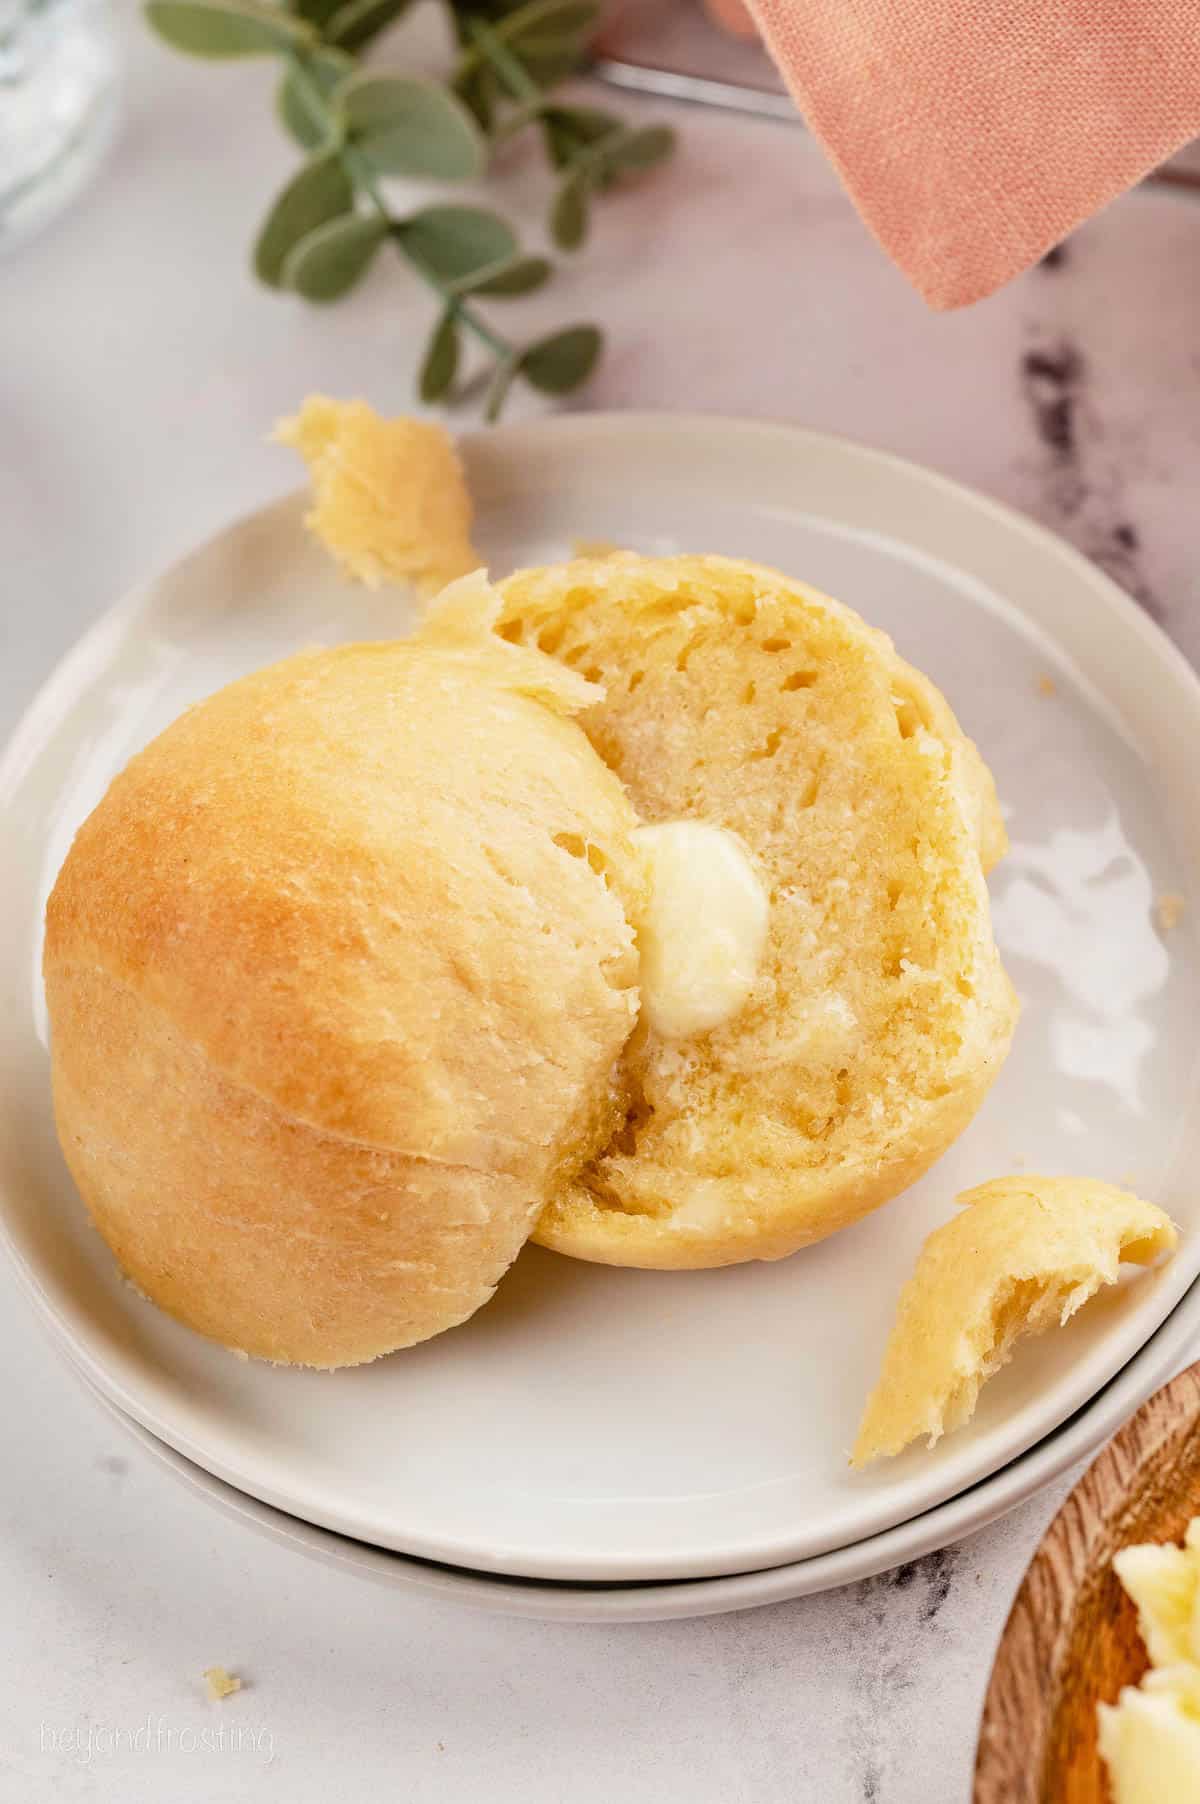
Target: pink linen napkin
975	134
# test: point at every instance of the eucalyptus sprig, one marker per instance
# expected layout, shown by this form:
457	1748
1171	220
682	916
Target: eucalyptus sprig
589	148
360	125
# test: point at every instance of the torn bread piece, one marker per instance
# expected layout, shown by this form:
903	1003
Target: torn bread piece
1023	1255
389	497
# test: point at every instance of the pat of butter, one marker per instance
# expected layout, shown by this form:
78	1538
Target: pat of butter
1150	1741
703	930
1164	1583
1150	1738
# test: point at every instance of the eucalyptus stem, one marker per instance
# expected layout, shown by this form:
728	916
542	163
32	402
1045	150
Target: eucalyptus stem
506	28
521	84
363	177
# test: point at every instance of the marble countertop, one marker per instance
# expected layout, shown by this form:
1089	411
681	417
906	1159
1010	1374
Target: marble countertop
140	367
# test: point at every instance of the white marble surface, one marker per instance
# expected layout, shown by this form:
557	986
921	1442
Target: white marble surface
139	368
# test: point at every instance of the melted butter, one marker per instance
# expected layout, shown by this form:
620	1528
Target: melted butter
704	928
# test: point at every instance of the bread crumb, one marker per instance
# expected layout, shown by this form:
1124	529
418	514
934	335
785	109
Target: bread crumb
390	498
1168	910
221	1684
1046	685
594	548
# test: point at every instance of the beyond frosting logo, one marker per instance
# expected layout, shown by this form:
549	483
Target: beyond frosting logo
85	1741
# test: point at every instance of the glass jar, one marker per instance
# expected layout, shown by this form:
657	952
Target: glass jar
58	105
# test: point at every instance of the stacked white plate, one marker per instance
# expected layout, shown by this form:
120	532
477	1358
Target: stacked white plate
619	1443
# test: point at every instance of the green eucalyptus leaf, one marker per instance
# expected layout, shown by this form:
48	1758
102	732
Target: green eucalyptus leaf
548	67
479	92
317	12
570	129
325	70
583	123
496	11
547	36
638	149
404	126
330	260
440	365
220	28
521	275
320	190
355	23
453	243
498	388
561	362
543	21
569	214
539	50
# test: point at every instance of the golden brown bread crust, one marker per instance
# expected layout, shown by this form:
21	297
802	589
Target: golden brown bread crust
336	994
254	1228
881	1014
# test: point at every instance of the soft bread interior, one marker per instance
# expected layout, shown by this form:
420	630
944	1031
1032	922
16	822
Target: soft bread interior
881	1012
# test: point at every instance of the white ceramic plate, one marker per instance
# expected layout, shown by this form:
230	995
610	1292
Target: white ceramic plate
594	1424
1167	1350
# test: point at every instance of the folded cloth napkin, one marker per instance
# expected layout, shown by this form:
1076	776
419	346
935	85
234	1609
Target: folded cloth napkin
975	134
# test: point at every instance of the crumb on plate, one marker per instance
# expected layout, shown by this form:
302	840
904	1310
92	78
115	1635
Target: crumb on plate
594	548
221	1684
1168	910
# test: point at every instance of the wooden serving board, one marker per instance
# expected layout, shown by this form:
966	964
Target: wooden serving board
1071	1640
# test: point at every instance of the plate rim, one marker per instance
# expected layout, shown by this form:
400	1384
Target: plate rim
502	447
546	1600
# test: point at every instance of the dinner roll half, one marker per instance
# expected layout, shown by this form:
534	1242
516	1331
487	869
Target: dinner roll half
880	1012
339	975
